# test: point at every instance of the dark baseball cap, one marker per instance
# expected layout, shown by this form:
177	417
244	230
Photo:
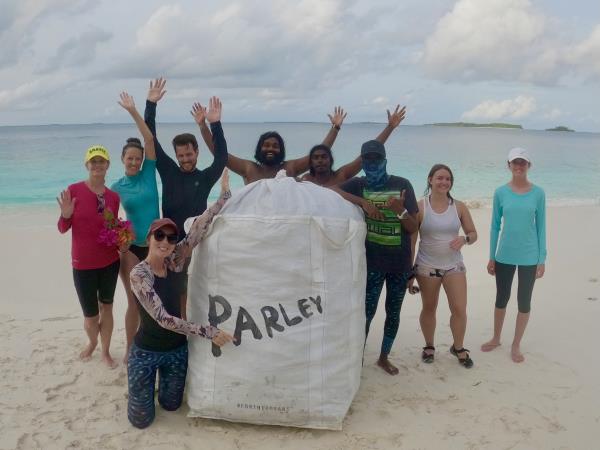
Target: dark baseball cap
372	147
159	223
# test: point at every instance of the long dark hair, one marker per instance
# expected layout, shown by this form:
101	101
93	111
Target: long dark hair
432	172
263	137
132	142
326	149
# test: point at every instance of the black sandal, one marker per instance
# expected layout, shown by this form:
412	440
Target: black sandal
428	357
465	362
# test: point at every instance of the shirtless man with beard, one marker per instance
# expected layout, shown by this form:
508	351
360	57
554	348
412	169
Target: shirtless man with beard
270	150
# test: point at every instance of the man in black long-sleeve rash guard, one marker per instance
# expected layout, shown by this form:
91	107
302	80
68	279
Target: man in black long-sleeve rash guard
185	189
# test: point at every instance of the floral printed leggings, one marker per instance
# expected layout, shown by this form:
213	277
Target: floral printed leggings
395	285
141	374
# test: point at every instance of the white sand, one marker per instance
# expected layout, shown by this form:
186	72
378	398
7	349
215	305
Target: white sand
52	400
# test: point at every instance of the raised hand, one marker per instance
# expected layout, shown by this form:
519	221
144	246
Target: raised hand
338	116
225	181
396	117
66	203
222	338
214	110
198	112
126	102
396	204
157	89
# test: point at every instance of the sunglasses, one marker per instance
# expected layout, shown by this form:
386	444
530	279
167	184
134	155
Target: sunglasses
160	235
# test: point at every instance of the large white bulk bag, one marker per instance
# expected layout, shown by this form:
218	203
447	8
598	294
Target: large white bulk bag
283	267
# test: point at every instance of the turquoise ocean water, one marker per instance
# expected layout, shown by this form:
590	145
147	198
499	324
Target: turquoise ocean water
36	162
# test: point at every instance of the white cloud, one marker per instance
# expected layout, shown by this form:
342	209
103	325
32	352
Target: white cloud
517	108
492	39
586	55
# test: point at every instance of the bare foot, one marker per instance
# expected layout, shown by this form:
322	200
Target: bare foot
86	353
516	355
490	345
386	365
111	363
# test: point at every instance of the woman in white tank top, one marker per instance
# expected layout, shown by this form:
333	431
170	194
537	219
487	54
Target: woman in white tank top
439	262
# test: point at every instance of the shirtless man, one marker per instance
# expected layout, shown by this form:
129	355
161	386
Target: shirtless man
270	150
321	159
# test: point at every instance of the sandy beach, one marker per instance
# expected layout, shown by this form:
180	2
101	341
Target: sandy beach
51	400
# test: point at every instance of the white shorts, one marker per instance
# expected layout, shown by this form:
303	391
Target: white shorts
432	272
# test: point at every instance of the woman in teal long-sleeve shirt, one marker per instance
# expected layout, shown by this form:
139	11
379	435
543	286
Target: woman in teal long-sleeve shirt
517	240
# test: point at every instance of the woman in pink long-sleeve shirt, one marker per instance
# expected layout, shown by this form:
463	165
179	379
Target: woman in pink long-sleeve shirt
95	265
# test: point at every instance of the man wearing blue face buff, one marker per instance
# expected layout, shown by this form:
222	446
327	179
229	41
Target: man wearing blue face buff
391	208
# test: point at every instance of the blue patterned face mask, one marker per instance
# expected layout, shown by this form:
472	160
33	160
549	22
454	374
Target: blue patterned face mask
375	172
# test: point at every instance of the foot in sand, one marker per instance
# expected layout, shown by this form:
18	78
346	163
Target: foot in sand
86	353
111	363
490	345
516	355
386	365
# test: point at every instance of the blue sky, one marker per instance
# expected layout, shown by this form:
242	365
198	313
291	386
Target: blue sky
531	62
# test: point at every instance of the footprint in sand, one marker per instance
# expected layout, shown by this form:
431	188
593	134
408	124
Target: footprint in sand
58	318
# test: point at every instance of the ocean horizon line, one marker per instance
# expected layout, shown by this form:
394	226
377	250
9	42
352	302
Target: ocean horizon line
308	122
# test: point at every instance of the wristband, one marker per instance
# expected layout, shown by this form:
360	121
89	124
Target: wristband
403	215
337	127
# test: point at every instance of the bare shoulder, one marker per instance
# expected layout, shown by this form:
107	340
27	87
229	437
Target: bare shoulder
460	205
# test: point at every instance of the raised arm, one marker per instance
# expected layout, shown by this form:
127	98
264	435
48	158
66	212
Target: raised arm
128	105
67	206
156	91
349	170
142	286
233	163
199	228
295	167
198	112
337	119
394	120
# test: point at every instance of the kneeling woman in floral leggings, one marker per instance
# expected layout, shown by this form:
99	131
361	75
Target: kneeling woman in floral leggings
161	343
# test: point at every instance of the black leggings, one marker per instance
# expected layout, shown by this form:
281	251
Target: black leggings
504	278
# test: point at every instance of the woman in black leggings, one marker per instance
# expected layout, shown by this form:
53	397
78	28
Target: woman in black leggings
517	240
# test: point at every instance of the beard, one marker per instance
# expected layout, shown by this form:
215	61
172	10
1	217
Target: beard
276	160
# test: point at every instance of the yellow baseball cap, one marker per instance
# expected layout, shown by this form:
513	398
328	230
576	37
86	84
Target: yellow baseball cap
96	150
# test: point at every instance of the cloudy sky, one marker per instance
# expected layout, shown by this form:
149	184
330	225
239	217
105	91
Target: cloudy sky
533	62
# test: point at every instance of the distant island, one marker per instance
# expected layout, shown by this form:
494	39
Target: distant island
560	128
478	125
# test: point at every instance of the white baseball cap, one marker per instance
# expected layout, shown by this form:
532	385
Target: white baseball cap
517	153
